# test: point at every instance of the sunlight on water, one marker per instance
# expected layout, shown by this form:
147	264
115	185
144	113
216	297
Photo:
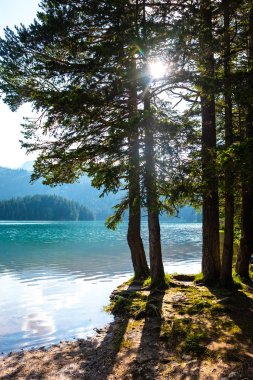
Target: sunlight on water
55	277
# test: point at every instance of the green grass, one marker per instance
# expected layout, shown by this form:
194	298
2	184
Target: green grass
147	282
185	336
194	343
237	280
251	272
135	305
174	330
199	306
118	305
198	278
192	318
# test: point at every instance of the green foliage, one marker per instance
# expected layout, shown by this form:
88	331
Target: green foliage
117	217
86	97
83	65
147	282
43	207
199	278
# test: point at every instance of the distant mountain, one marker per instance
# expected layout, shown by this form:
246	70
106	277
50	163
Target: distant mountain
43	207
28	165
187	214
16	183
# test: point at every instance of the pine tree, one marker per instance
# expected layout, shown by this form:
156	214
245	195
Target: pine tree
246	242
81	57
228	244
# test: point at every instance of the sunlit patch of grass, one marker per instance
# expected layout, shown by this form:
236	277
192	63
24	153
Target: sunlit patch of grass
147	282
138	307
118	305
199	278
126	343
167	279
217	309
237	280
196	302
199	306
251	272
134	323
135	305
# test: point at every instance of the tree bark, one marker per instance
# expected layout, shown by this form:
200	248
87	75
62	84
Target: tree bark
152	196
211	249
228	245
155	251
141	269
246	243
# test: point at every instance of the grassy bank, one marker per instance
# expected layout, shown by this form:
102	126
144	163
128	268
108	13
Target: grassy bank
197	331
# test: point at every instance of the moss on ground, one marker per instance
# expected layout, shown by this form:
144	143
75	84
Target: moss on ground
147	282
192	319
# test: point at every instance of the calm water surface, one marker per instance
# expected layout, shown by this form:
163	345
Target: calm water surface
55	277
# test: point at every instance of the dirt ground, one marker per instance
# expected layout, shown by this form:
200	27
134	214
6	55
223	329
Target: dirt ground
186	332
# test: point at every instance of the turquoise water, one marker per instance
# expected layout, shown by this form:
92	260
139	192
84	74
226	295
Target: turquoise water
55	277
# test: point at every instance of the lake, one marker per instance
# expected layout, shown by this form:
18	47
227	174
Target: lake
55	277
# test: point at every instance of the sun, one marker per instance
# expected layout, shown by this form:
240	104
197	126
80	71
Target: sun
157	69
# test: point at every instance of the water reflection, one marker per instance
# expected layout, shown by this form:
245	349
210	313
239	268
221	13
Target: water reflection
56	277
38	324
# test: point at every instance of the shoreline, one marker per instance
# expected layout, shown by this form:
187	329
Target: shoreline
65	360
186	332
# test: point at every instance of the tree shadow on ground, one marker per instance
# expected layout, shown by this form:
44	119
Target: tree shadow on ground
148	352
238	307
155	334
121	353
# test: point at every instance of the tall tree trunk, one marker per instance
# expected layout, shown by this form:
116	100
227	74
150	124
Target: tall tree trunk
227	257
155	251
211	249
246	243
141	269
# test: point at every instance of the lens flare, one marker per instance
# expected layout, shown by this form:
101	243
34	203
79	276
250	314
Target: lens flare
157	69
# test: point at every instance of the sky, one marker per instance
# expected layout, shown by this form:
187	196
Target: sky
14	12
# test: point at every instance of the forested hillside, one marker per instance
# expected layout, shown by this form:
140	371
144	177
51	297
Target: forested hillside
43	207
16	183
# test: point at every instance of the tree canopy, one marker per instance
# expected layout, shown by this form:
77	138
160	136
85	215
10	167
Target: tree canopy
43	207
86	68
